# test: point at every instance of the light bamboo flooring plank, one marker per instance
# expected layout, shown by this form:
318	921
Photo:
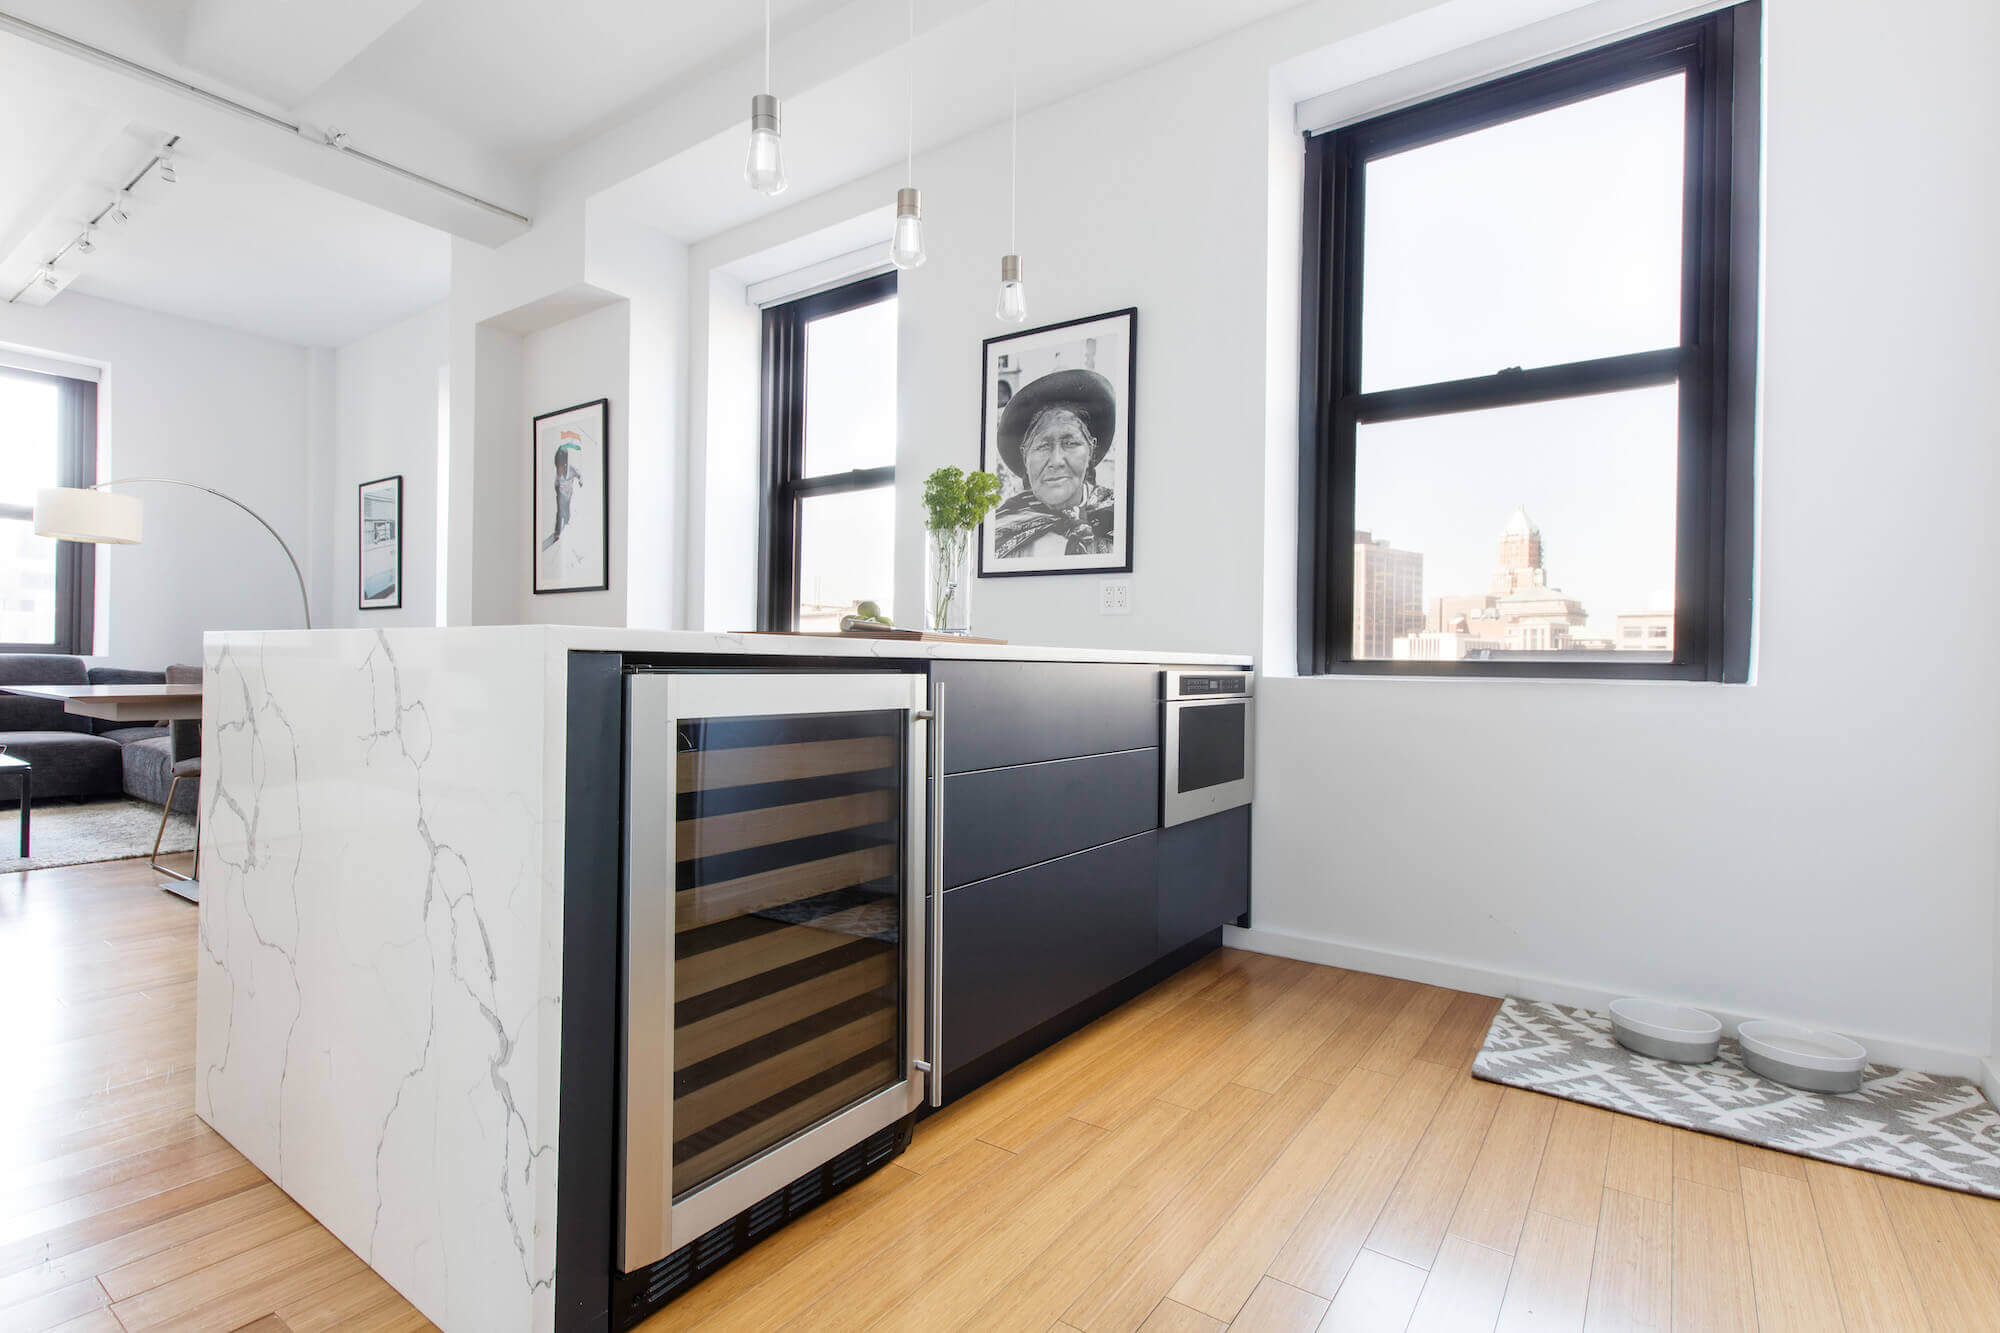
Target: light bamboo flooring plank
1378	1296
1705	1159
1464	1290
1788	1267
1955	1278
1871	1271
1631	1273
1549	1287
1276	1308
1712	1283
1495	1201
1169	1317
1413	1222
1407	1031
1571	1182
1461	1032
1641	1159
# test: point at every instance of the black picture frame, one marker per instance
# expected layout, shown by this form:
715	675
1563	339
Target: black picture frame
1127	428
361	544
603	470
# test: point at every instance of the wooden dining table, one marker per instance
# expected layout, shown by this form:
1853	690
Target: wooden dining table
135	705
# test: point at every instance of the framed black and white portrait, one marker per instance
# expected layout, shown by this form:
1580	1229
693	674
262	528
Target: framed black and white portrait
571	541
380	544
1056	428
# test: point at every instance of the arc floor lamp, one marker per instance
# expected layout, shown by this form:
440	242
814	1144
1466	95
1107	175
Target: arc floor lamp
94	514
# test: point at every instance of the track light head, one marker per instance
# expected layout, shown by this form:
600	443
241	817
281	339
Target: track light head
121	208
86	244
167	172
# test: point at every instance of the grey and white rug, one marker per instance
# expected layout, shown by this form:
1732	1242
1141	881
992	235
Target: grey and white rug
1924	1127
69	833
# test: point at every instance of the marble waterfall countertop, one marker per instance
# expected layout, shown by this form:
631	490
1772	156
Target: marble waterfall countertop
379	982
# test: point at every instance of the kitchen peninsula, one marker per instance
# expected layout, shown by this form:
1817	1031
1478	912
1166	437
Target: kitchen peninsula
530	956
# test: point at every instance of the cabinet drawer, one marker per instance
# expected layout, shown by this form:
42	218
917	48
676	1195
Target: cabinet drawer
1021	948
1000	819
1204	876
1000	713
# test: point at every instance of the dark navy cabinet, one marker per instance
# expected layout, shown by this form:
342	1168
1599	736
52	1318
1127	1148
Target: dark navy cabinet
1062	894
1204	878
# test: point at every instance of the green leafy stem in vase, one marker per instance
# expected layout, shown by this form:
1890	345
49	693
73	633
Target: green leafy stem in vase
955	503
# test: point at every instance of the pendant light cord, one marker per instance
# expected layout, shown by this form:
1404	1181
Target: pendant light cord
1014	128
910	99
767	45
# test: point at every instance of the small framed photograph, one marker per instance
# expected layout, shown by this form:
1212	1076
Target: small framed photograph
1055	425
570	475
381	544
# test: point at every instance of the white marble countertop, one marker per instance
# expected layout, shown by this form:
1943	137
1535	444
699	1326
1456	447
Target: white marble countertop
620	639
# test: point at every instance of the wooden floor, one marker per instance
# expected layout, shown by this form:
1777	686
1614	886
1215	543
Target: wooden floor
1256	1143
119	1210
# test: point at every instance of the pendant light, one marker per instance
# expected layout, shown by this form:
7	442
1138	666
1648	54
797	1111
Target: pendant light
1012	307
906	246
764	169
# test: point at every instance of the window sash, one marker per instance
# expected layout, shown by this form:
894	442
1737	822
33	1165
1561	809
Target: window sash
1713	364
784	428
76	562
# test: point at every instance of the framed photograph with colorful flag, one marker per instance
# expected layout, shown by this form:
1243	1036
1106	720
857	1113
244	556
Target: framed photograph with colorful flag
569	473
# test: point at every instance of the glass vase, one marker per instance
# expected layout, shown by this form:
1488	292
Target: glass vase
948	580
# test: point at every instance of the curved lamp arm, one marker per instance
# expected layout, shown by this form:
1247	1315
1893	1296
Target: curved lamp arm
304	602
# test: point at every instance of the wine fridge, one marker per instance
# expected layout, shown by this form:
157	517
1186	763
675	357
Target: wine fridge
775	937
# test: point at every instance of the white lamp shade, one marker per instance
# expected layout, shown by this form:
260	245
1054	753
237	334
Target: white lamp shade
76	515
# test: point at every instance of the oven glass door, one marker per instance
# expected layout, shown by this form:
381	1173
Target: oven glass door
1207	756
787	1001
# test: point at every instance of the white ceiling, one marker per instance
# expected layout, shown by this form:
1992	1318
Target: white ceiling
512	100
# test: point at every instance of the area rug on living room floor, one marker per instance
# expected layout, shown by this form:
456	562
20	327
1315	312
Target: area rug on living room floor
1923	1127
70	833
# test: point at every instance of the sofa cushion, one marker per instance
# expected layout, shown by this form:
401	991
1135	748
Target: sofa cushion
20	713
68	763
125	735
104	675
149	771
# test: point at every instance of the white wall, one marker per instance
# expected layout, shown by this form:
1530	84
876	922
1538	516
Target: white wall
385	422
204	404
569	363
1820	845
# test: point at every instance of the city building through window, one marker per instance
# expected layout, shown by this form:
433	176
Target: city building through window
48	437
829	456
1529	330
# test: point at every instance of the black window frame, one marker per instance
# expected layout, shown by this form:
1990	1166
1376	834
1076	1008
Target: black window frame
785	483
76	562
1715	362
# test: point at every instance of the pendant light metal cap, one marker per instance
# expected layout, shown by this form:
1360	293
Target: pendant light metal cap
909	202
764	113
1010	268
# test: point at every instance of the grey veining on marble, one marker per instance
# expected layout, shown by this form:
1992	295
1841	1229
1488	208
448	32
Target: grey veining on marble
379	975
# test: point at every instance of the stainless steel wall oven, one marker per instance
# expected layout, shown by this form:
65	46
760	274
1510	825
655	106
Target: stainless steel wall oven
1208	735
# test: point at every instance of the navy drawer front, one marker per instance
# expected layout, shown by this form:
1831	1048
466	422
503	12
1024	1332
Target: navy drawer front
1000	713
1204	876
1021	948
1001	819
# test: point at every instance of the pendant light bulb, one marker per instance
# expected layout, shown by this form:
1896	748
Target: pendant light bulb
1012	308
764	169
906	247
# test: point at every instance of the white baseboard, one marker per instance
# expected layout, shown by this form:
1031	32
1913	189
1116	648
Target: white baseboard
1481	980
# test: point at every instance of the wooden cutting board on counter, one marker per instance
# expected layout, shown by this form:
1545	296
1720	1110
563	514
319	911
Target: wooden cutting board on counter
903	635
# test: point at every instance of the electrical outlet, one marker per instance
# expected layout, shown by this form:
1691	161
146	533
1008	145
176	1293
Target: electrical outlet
1114	597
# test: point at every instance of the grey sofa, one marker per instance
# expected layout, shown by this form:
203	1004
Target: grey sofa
78	756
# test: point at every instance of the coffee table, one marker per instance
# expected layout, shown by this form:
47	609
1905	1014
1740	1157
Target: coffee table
22	772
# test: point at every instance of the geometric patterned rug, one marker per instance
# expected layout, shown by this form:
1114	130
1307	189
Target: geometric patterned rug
1922	1127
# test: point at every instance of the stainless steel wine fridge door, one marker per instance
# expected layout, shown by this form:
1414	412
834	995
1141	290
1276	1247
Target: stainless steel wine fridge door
774	951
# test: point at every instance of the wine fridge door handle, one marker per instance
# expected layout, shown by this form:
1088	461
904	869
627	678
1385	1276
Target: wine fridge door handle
934	907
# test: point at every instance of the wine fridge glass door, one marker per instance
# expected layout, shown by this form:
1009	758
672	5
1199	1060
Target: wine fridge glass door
774	964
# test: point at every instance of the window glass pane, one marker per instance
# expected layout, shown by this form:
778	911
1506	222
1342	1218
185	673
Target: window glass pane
1544	240
27	584
847	555
851	390
28	456
1519	531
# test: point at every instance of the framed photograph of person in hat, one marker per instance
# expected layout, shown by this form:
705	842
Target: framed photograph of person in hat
570	546
1056	428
